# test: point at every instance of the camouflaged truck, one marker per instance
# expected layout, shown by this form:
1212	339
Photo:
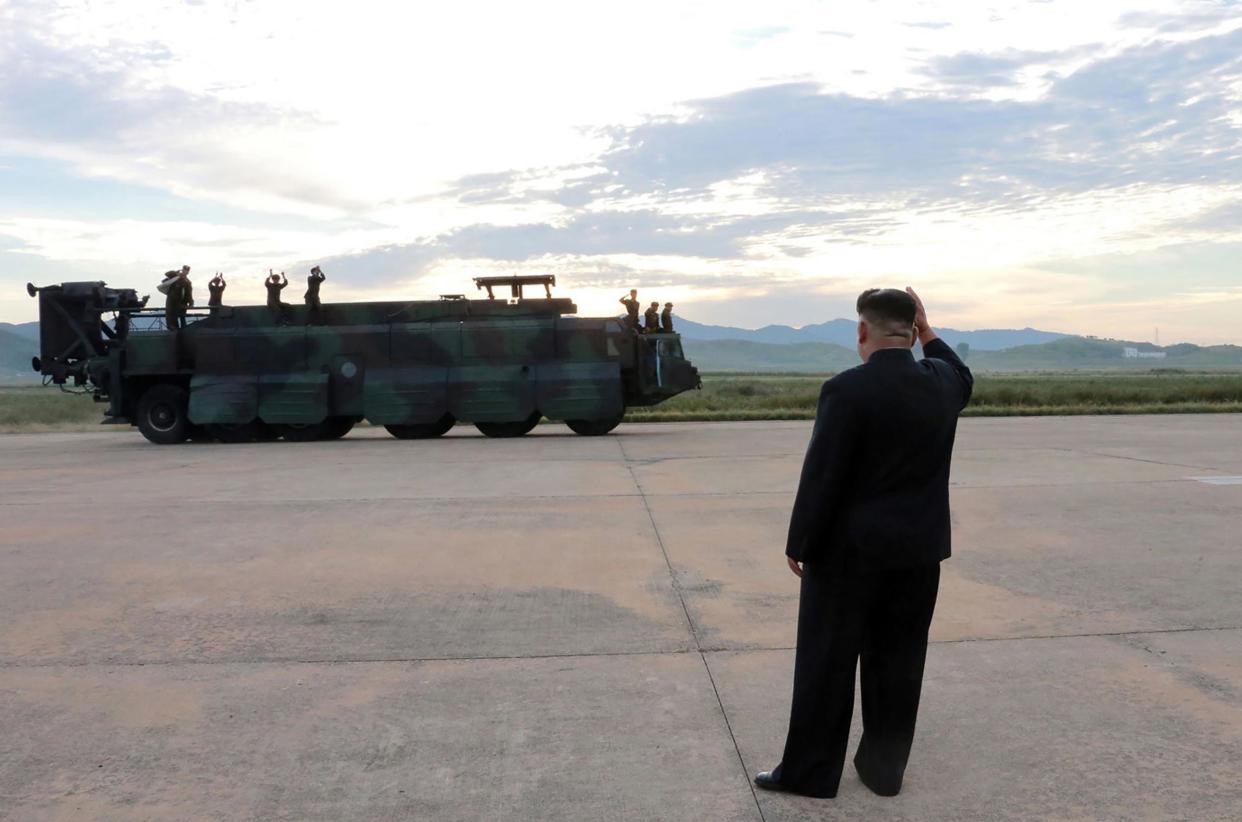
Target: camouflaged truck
246	373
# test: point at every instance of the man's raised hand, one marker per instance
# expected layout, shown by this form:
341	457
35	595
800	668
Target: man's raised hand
921	326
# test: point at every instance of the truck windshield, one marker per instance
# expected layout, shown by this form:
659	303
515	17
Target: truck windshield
670	348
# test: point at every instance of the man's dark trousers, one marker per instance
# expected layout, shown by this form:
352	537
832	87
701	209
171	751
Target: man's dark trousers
881	617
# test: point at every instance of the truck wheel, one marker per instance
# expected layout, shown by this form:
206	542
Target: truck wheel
330	428
264	432
303	432
162	414
337	427
423	431
233	433
198	433
594	428
509	429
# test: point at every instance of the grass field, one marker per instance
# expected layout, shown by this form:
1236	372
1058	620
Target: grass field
793	397
36	408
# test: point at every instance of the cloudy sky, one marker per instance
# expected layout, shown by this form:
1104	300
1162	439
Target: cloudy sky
1067	165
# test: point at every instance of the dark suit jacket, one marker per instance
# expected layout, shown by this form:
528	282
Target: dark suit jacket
874	492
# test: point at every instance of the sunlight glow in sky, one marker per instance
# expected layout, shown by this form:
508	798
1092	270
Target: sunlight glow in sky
1065	165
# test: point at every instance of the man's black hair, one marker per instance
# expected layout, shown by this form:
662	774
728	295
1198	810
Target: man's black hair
888	308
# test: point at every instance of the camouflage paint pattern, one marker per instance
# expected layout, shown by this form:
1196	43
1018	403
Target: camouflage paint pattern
394	363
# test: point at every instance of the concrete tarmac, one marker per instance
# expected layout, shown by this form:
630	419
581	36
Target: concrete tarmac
570	628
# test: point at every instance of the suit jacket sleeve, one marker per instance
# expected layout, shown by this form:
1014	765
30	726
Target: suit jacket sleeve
825	474
938	349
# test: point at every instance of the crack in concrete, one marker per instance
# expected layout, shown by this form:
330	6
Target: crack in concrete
721	649
1133	459
86	504
694	633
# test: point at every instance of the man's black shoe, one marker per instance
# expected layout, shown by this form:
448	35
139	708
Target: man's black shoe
765	780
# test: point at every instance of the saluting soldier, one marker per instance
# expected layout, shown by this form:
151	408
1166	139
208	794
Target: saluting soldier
215	289
179	295
666	319
651	319
276	283
631	309
313	305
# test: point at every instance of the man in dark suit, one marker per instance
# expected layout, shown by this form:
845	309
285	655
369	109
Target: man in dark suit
869	528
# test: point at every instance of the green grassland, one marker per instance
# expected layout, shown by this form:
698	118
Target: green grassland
38	408
793	396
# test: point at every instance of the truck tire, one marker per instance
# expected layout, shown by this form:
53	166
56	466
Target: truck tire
330	428
594	428
308	432
509	429
162	414
198	433
337	427
423	431
234	433
264	432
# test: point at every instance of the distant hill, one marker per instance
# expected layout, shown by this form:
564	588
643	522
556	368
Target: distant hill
843	333
1089	353
28	330
18	343
745	355
1065	354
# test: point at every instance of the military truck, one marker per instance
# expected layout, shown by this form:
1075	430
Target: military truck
248	373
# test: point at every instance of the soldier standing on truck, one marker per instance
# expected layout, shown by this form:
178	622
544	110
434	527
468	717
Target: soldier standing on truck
216	289
313	305
275	284
631	309
666	319
651	319
179	295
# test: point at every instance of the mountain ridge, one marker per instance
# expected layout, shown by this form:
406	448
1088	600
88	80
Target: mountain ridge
842	332
17	345
1065	354
28	331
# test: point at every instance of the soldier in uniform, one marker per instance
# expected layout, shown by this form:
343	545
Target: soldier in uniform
178	297
313	305
666	319
276	283
651	319
216	289
631	309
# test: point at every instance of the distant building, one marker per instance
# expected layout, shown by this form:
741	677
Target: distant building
1134	354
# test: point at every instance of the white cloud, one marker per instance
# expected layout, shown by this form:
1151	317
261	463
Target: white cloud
974	141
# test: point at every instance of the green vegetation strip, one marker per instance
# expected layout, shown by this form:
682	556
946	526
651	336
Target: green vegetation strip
37	408
793	397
